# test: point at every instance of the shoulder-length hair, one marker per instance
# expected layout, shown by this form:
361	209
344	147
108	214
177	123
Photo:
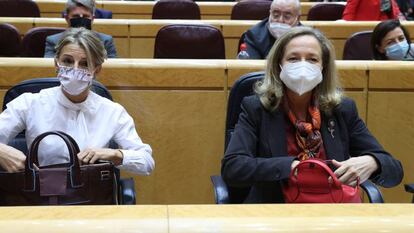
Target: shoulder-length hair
271	89
380	31
88	41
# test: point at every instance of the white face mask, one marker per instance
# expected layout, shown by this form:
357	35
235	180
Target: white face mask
278	29
74	81
301	77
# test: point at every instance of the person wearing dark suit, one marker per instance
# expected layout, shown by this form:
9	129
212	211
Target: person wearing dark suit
80	13
284	14
299	112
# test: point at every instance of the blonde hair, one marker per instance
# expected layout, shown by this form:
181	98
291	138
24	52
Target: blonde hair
271	89
88	41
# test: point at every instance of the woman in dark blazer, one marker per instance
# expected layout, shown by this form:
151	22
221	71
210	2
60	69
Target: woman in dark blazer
299	112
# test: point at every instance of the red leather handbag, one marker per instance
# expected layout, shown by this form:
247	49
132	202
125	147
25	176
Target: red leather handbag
309	183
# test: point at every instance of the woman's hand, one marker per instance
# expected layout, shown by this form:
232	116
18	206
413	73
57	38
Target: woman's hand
11	159
349	170
94	154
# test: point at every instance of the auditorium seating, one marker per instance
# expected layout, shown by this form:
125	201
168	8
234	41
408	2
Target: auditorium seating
136	38
172	101
326	11
176	9
33	44
358	46
143	9
19	8
251	10
9	41
189	42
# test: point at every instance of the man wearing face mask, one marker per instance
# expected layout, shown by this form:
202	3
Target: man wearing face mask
80	13
284	14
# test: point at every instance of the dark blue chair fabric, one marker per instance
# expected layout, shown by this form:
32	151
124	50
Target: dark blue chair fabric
232	195
126	189
103	14
410	188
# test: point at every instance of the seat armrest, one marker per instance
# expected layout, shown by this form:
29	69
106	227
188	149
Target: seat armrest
372	191
409	188
221	192
127	189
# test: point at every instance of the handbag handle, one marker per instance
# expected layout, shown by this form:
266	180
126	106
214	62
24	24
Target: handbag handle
74	168
320	163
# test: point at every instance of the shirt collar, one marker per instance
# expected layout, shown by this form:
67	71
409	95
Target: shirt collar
89	105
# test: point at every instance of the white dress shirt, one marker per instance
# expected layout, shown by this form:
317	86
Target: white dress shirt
92	123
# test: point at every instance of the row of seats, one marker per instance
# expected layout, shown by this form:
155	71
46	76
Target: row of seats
185	9
172	41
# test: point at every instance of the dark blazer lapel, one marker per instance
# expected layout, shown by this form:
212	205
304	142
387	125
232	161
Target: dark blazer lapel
332	138
276	132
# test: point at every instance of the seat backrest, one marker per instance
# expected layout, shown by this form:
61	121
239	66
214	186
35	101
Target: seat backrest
195	41
357	46
33	44
103	14
9	41
37	84
326	11
241	88
176	9
251	10
19	8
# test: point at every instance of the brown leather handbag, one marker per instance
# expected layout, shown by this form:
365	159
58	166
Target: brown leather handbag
59	184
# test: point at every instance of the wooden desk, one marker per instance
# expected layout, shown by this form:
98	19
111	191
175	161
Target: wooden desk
179	108
292	218
358	218
143	9
90	219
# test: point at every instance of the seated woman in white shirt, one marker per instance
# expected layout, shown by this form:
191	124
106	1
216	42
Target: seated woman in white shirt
93	121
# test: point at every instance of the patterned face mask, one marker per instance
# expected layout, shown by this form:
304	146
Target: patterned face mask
74	81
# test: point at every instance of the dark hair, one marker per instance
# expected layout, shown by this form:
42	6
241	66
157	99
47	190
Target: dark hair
380	31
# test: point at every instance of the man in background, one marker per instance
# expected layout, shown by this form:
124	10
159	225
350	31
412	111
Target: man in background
284	14
80	13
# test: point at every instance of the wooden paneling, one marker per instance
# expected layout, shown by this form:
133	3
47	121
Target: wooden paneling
143	9
136	38
186	132
391	117
179	109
